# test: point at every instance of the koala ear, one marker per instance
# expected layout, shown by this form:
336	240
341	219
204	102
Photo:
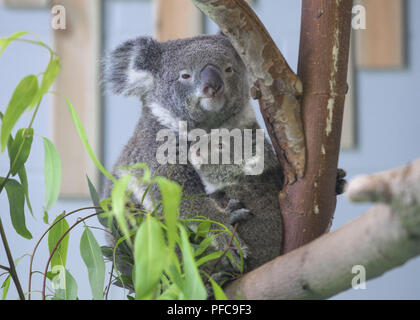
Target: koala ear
131	68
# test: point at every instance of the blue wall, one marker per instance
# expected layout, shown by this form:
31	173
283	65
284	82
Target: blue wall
387	118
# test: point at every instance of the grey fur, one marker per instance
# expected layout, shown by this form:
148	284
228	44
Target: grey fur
261	234
151	71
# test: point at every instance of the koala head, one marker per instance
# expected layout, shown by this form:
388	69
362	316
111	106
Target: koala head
201	80
220	162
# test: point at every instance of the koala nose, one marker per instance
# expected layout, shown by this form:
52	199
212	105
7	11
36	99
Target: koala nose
211	82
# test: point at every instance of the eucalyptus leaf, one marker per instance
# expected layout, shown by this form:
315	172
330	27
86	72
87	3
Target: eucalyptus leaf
171	198
92	256
4	42
203	229
174	272
21	99
20	149
93	194
60	256
50	74
52	174
194	288
6	286
24	182
211	256
45	217
119	199
150	256
204	245
85	141
16	195
65	285
172	293
219	294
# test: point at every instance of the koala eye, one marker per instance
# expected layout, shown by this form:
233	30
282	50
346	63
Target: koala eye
185	75
229	70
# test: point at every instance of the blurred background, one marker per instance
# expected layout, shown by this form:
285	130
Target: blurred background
381	121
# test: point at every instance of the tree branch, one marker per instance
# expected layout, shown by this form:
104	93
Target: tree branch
276	86
383	238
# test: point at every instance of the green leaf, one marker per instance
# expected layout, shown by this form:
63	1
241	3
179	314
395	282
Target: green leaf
203	229
172	293
52	174
203	245
21	173
50	74
92	256
107	252
60	256
19	149
171	199
93	194
4	42
5	286
219	294
119	199
174	272
16	195
212	256
45	217
20	101
150	256
24	181
65	285
83	137
194	288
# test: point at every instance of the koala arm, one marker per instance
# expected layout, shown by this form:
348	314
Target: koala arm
197	202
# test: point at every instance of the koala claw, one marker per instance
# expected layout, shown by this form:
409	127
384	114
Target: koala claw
240	215
237	212
341	182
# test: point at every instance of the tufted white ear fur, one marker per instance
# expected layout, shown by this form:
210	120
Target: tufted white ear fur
139	82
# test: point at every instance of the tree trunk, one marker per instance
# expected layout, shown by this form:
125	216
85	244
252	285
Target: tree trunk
308	205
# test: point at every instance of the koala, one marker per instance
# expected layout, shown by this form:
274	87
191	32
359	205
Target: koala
262	234
201	81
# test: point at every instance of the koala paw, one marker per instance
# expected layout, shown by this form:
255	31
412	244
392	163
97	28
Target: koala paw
341	182
237	212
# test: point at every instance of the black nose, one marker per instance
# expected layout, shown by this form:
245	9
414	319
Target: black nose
211	81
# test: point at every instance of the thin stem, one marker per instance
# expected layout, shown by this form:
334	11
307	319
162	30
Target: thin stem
227	248
110	281
42	237
5	268
12	268
56	246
